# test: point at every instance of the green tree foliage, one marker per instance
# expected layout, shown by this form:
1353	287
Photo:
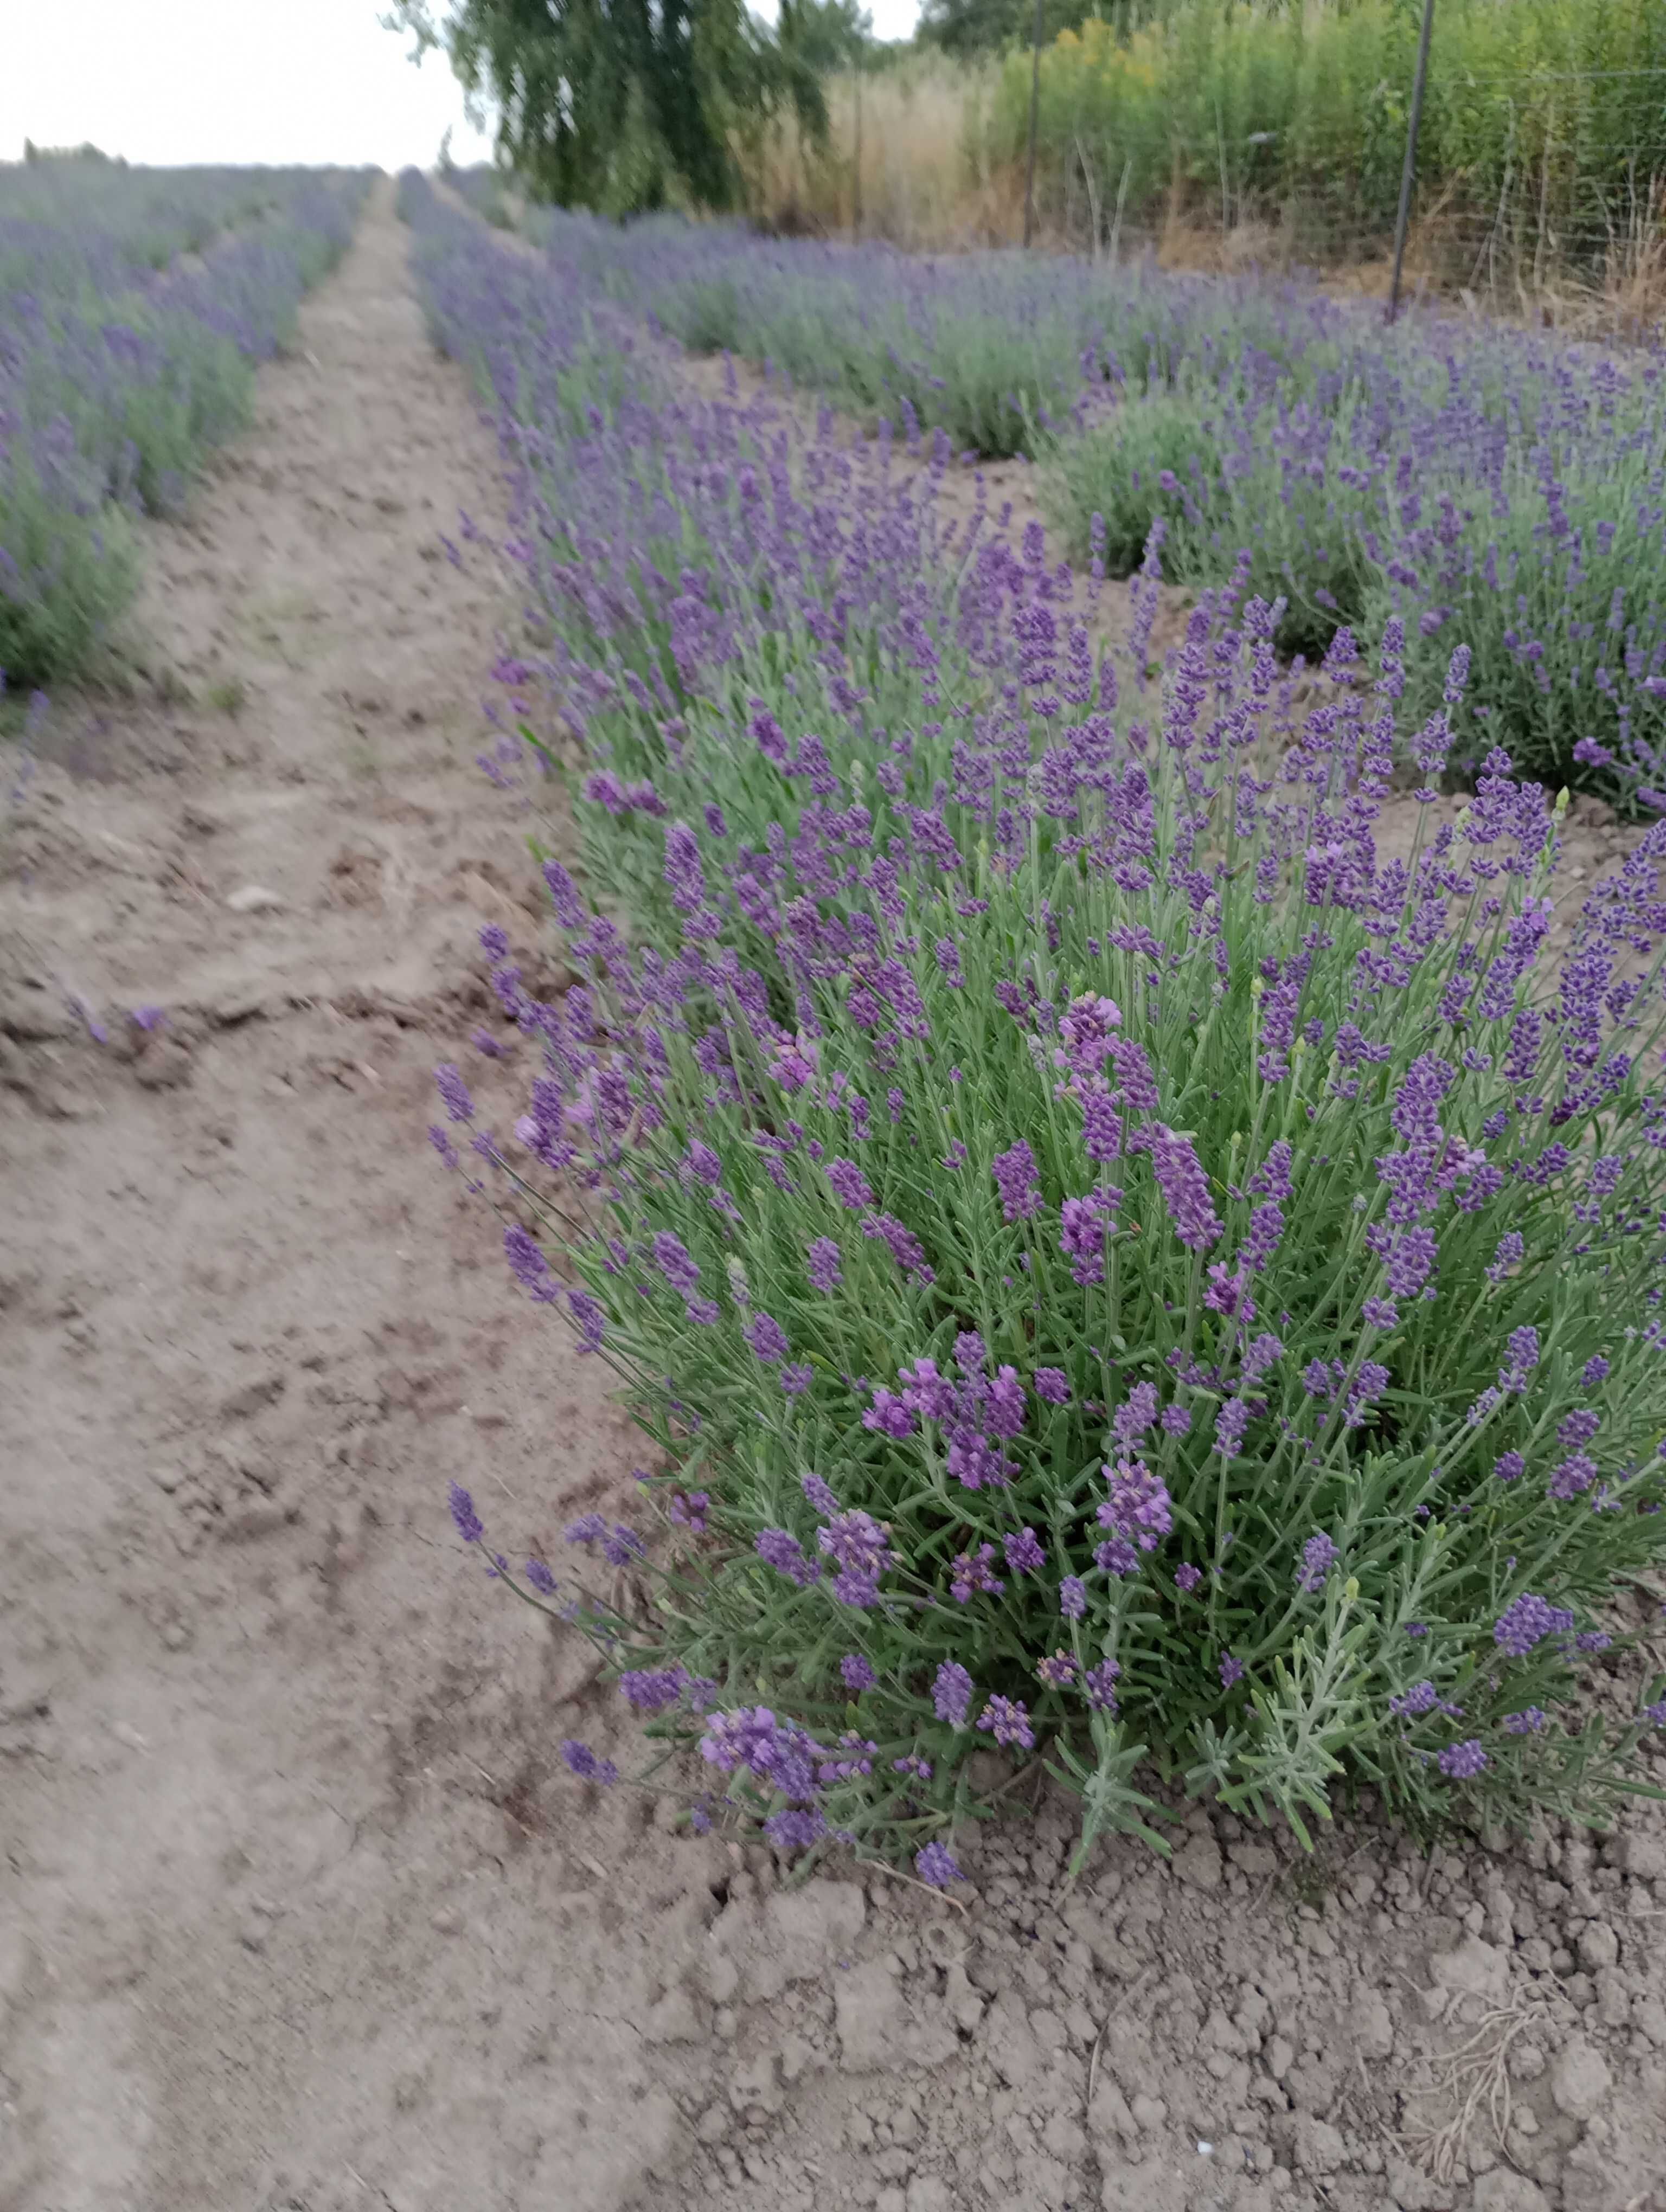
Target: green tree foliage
826	35
626	105
967	28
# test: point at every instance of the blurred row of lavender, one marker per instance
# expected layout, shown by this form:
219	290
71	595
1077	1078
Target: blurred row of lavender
133	305
1498	485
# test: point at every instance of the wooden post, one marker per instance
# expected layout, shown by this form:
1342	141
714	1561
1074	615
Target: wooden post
1409	169
857	175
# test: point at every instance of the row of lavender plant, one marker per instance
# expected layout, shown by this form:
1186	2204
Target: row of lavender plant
1117	1269
1489	485
115	377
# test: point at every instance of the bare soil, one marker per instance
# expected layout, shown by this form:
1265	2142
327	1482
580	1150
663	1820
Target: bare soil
299	1911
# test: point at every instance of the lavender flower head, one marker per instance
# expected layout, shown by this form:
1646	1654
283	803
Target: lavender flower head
951	1693
1461	1762
1015	1179
1526	1621
935	1865
463	1513
580	1759
1009	1721
1319	1556
1139	1507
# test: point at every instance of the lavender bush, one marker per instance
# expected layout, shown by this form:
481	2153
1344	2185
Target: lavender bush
1119	1269
1497	503
115	375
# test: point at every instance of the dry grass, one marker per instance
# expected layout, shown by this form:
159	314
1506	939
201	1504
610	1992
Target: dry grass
927	181
930	182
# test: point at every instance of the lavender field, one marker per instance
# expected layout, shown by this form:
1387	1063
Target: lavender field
133	309
865	1410
1491	487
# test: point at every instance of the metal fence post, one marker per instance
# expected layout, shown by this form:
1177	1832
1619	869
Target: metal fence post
1035	107
1408	170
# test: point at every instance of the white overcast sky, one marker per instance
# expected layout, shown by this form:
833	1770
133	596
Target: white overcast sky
180	81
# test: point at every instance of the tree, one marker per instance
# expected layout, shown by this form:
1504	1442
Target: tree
966	28
828	35
622	104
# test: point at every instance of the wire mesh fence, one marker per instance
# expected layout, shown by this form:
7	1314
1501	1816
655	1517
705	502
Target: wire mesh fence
1538	192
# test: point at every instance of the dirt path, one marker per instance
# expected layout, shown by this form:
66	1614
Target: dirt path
248	1332
299	1911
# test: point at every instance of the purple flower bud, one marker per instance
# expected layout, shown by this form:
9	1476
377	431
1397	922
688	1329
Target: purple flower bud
1025	1552
463	1513
1015	1179
1319	1555
672	1258
767	1338
935	1865
825	1265
1009	1721
454	1092
1526	1621
1461	1762
951	1693
582	1761
849	1185
783	1552
528	1265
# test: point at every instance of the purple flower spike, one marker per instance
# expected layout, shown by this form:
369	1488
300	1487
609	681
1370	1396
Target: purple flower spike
1526	1621
973	1574
463	1513
784	1552
528	1265
1529	1721
1461	1762
1319	1556
935	1865
454	1092
795	1828
952	1694
1025	1552
1073	1597
825	1265
1009	1721
849	1185
1185	1187
767	1338
1015	1179
580	1759
855	1672
1231	1670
